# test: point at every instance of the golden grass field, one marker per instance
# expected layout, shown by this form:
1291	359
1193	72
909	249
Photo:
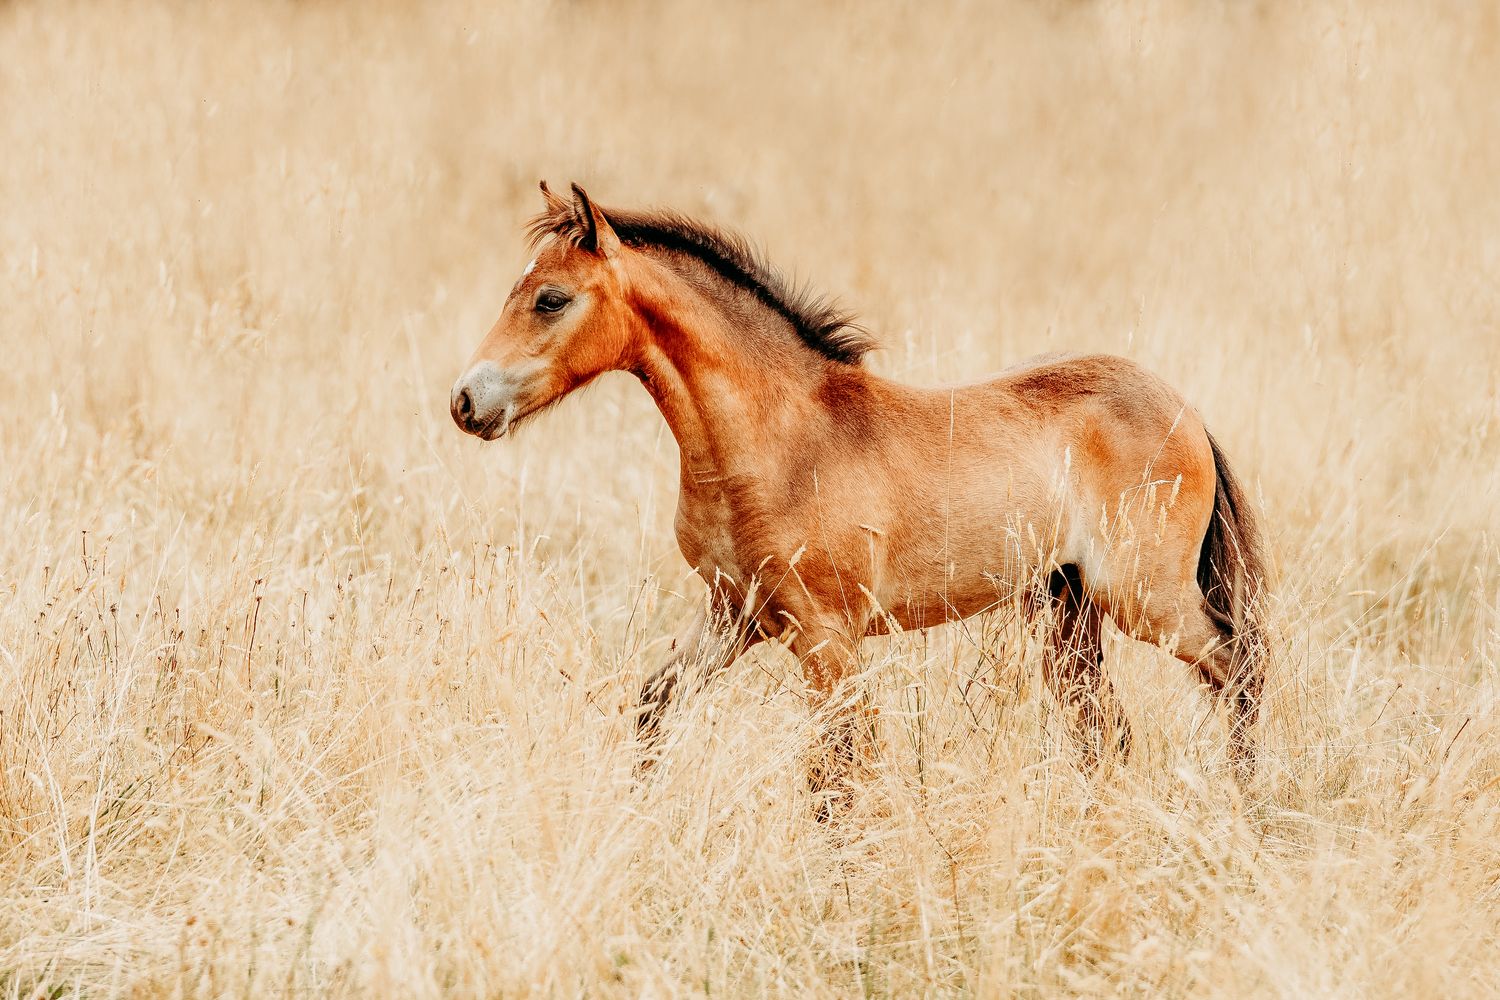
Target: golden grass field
303	692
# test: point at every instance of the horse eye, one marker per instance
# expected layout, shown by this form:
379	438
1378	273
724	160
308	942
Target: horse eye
551	300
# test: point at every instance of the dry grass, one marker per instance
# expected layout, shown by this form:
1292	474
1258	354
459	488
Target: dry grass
302	691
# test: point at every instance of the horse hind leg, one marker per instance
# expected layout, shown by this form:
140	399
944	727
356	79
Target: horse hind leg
1235	672
1073	669
1230	661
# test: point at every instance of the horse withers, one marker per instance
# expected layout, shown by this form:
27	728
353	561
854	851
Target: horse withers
823	503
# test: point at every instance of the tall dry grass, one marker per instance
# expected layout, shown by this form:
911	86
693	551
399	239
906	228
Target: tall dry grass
303	692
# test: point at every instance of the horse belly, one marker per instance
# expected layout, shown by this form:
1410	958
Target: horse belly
972	550
948	590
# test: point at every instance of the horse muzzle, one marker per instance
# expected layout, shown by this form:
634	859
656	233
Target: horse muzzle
485	400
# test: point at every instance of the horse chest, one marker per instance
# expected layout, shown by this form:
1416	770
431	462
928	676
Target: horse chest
706	534
727	531
734	539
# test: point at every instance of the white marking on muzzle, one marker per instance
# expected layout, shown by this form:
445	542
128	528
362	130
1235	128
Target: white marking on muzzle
494	396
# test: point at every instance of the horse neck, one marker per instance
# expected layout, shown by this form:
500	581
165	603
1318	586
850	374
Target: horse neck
732	380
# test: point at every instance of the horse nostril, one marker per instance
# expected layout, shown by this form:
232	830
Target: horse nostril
465	406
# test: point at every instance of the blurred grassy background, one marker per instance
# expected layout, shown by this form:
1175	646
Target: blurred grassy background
301	690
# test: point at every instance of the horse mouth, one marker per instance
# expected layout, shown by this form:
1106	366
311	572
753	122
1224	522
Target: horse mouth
499	424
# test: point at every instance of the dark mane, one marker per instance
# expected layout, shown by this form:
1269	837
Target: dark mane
820	323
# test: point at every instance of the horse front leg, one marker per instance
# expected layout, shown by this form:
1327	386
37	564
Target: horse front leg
847	748
717	636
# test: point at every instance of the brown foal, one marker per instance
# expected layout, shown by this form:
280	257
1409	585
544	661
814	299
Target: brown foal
822	503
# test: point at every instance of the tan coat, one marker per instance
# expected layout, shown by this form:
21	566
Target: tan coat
822	503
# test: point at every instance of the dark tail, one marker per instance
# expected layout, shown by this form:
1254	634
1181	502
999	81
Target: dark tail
1232	567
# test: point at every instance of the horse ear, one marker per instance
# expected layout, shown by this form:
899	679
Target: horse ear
598	236
555	205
